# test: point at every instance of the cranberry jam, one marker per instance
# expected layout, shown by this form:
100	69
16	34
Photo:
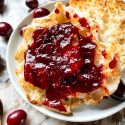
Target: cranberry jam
61	61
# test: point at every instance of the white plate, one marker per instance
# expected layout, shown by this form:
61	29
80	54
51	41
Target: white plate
81	114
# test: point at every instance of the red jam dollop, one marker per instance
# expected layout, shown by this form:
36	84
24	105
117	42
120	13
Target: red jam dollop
61	61
75	15
57	11
67	15
104	53
84	23
113	63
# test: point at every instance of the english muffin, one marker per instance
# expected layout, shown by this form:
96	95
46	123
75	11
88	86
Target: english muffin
72	56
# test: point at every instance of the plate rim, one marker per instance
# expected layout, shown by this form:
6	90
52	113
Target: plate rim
121	105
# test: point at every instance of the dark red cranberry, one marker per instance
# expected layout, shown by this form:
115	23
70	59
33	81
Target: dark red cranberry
120	92
17	117
1	5
32	4
40	12
5	30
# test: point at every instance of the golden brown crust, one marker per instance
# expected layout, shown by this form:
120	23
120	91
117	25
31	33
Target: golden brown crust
36	95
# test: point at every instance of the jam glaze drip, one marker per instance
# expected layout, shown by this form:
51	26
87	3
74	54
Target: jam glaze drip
104	54
61	61
68	15
113	62
75	15
84	23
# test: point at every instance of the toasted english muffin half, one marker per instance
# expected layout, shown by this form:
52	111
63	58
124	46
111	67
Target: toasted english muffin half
81	8
107	18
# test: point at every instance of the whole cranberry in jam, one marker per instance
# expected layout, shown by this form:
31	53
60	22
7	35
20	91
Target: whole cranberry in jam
5	30
61	62
32	4
40	12
1	5
119	94
17	117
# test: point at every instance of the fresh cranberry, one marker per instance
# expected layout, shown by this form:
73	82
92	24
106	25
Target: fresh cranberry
1	5
17	117
32	4
40	12
120	92
5	30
